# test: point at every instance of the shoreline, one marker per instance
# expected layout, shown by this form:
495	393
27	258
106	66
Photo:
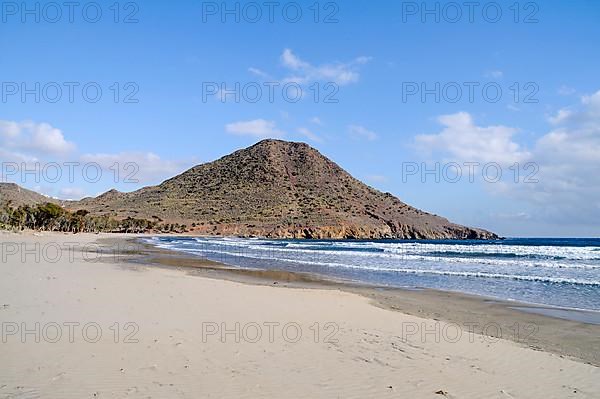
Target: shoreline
559	277
111	318
529	324
324	279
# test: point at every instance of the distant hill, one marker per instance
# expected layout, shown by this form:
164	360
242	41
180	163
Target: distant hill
19	196
276	189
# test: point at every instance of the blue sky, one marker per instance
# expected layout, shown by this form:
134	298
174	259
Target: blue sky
166	116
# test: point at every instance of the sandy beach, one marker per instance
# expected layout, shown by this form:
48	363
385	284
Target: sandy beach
80	320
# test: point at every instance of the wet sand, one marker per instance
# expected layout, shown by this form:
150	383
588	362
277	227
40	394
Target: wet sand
174	326
565	332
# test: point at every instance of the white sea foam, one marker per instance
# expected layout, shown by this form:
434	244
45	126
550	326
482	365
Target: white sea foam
413	258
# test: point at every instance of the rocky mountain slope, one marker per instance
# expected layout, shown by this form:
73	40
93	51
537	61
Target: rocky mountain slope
276	189
19	196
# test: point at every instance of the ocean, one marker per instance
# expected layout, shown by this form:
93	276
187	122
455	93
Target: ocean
563	272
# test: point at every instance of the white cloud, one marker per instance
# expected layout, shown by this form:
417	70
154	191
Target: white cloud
584	115
290	60
362	132
71	193
9	129
258	128
310	135
494	74
569	160
16	156
317	121
138	167
338	72
561	116
32	146
41	138
304	73
259	73
46	138
465	141
566	90
562	166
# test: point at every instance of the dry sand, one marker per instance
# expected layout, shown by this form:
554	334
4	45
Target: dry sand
184	335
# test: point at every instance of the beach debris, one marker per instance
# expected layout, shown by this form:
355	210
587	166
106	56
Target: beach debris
441	392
